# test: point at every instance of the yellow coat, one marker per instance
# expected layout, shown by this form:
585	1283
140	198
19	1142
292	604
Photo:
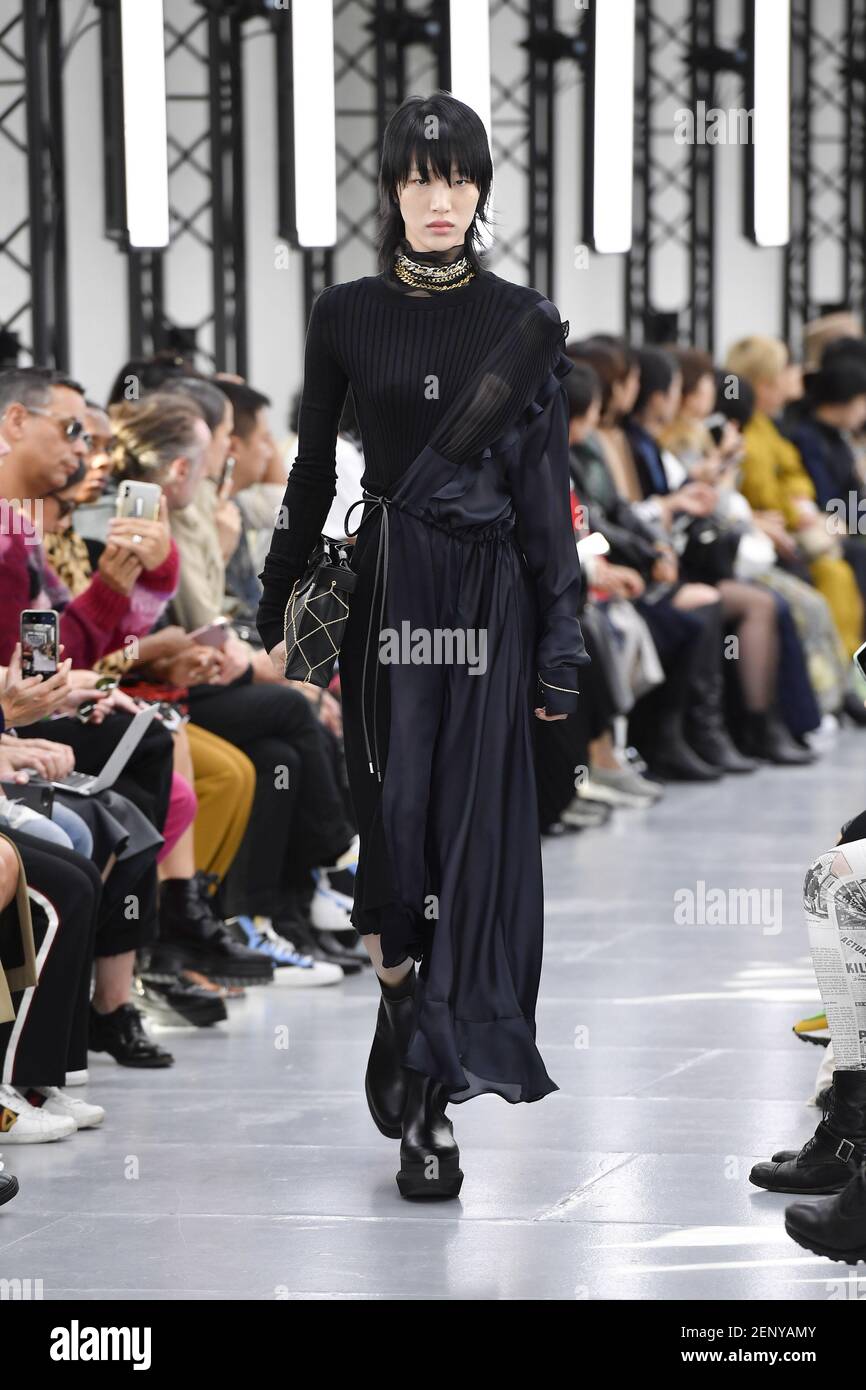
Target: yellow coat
773	473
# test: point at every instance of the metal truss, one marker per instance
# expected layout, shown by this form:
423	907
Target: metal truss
825	261
386	50
204	267
32	210
673	223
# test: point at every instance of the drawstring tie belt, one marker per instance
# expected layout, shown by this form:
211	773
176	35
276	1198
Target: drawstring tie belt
380	573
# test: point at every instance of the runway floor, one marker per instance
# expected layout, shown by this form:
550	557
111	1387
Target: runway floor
253	1172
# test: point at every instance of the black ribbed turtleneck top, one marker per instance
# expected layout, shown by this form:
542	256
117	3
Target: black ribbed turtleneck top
405	356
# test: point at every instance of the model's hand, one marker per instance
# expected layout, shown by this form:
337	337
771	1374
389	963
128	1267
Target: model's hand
278	660
548	718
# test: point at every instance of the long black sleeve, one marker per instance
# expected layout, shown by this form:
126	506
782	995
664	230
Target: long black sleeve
313	480
539	486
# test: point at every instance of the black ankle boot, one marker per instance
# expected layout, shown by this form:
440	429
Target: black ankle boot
767	737
387	1082
191	936
429	1156
835	1227
826	1163
121	1034
673	759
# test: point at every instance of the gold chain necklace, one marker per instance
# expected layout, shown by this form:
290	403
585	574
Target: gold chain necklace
435	278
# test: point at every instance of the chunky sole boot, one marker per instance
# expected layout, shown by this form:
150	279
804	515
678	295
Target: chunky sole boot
8	1187
386	1083
834	1227
429	1156
179	1003
193	937
828	1161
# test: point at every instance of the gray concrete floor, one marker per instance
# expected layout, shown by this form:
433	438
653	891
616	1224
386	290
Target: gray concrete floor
249	1171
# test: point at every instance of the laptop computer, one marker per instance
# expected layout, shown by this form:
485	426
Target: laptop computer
89	783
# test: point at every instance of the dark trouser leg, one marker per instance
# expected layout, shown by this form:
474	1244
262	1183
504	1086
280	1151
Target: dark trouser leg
303	822
49	1035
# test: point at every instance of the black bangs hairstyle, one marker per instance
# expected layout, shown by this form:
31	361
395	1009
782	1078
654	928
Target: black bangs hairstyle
433	133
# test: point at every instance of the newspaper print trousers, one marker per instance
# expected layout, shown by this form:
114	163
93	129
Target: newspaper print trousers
834	899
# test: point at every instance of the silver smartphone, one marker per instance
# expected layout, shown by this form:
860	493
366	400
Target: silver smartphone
139	500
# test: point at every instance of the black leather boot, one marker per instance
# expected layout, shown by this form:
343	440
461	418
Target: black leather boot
121	1035
767	737
429	1156
387	1082
8	1187
673	759
836	1226
705	728
707	732
192	936
830	1158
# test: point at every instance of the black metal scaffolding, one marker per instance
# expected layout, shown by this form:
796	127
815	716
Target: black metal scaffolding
32	209
825	262
204	98
674	184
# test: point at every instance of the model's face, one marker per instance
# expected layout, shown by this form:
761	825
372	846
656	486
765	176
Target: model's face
436	214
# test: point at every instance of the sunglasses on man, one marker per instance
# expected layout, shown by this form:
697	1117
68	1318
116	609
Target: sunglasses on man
72	427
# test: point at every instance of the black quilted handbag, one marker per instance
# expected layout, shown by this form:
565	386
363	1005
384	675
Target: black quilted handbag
316	614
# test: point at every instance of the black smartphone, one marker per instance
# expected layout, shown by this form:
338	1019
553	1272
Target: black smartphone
39	642
39	796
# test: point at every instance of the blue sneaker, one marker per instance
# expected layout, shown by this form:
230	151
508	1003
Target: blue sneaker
291	966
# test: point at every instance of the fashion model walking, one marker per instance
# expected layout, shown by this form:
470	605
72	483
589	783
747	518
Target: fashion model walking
462	628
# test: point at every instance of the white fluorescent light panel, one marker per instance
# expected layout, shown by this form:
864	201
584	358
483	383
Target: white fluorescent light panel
144	122
314	125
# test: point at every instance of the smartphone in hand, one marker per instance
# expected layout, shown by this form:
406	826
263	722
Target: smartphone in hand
39	642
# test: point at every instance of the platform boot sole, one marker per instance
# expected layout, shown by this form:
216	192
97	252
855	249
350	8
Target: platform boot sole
173	959
8	1191
414	1184
829	1190
849	1257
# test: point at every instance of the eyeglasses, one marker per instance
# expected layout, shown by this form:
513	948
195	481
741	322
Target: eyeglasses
72	427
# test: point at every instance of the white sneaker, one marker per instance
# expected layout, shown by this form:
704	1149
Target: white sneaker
32	1125
77	1078
328	910
85	1114
620	787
